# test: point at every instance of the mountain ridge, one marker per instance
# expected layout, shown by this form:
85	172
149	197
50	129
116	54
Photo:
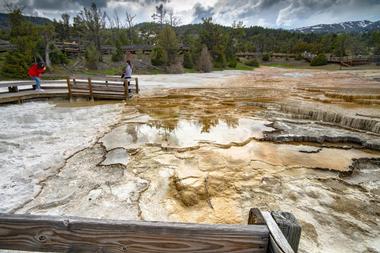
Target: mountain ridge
4	20
342	27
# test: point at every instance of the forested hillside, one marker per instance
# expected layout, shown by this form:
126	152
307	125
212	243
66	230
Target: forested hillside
93	29
5	22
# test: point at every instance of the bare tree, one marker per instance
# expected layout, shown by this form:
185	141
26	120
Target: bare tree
116	18
110	21
48	33
205	62
172	19
66	24
160	14
93	21
11	7
130	19
237	24
130	25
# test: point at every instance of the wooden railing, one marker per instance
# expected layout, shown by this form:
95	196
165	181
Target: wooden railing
102	88
27	83
285	232
352	60
72	234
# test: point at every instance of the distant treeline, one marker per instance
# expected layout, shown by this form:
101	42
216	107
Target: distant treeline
93	28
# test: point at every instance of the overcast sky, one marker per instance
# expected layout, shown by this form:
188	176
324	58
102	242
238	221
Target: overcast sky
267	13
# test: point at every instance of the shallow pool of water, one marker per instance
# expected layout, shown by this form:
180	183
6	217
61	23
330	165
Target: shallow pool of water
185	133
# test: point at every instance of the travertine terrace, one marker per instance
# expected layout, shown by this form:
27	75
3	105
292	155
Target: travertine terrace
302	141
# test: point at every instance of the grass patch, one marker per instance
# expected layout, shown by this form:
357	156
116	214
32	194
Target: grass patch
239	66
306	65
283	65
110	71
186	70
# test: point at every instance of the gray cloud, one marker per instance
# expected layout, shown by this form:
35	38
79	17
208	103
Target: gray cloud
291	13
67	5
270	13
52	4
201	12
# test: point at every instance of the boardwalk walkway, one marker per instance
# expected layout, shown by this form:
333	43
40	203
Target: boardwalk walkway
11	97
98	89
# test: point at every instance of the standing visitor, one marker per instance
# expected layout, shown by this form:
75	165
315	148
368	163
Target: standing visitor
128	73
128	70
35	72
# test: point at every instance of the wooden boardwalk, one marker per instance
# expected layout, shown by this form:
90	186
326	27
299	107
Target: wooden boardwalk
18	97
106	88
346	61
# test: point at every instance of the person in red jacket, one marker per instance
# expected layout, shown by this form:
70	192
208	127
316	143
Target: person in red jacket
35	72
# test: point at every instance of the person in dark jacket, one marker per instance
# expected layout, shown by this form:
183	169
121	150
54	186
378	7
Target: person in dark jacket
35	72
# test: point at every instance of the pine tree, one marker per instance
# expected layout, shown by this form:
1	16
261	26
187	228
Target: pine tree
188	61
158	57
92	57
24	37
118	53
167	41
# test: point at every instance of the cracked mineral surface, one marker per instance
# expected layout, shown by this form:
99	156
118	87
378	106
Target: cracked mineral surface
302	141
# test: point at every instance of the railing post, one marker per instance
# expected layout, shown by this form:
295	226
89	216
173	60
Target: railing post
289	227
286	225
69	87
90	89
137	85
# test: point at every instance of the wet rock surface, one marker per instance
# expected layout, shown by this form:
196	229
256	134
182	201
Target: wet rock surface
275	139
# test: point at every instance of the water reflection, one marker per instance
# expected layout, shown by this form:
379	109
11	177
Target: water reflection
205	122
186	133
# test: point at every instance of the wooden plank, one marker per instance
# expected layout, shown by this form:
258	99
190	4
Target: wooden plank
273	247
290	228
100	88
26	95
106	83
117	89
5	84
14	84
278	238
97	91
137	85
80	82
47	233
112	88
90	89
69	87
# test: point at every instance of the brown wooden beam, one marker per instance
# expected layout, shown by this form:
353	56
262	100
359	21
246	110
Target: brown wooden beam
69	87
90	89
59	234
137	85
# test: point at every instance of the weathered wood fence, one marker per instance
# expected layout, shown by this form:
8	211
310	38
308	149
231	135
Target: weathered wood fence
71	234
102	88
106	88
346	61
